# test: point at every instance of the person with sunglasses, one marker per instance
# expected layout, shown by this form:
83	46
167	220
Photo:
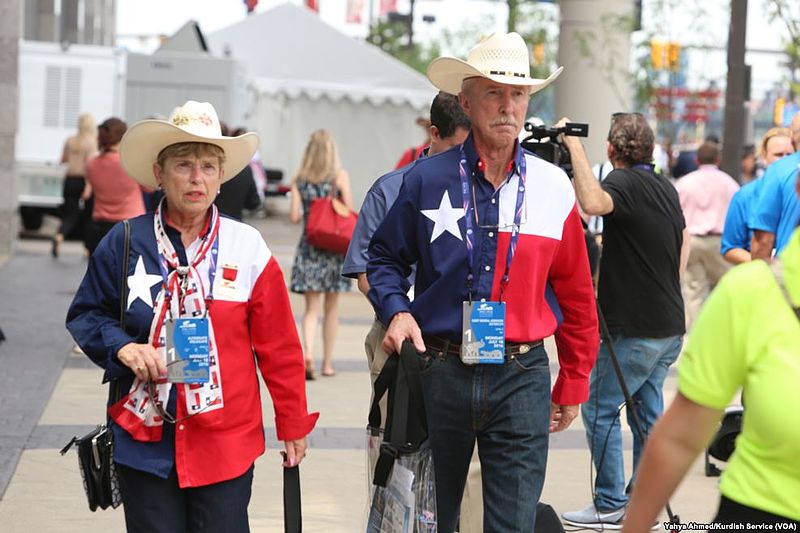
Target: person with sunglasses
644	251
206	311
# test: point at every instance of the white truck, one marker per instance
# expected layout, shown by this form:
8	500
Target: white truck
56	84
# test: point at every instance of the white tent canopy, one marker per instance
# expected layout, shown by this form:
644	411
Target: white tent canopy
305	75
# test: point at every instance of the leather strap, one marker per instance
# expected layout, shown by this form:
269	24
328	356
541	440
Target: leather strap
115	391
292	513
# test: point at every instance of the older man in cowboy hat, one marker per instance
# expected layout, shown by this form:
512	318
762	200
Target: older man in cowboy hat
206	309
501	264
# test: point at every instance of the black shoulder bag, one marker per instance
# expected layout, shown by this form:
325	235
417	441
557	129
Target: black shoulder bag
96	448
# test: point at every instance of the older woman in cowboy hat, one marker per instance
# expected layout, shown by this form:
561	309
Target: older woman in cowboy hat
204	294
489	244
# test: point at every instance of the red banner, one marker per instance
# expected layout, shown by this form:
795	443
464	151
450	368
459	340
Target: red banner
387	6
355	8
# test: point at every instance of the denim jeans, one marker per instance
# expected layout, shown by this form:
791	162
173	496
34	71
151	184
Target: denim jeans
644	363
506	408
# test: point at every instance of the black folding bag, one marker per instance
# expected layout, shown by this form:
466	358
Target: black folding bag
96	464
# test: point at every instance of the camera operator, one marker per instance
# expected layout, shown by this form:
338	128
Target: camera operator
644	251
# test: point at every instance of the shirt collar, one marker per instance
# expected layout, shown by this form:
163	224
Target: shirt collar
170	226
473	157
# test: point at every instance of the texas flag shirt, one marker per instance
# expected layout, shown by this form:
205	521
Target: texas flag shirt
549	288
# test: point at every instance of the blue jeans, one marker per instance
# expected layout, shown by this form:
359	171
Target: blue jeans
644	364
506	408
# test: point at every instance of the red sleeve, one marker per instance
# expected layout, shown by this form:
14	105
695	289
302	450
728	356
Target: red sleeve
577	338
279	353
406	158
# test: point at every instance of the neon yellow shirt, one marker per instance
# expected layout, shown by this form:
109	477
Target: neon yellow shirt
748	336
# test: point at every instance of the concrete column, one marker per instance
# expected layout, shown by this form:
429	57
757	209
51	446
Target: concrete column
10	27
594	49
45	22
69	22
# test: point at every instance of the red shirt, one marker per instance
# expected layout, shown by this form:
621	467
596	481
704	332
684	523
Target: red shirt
116	195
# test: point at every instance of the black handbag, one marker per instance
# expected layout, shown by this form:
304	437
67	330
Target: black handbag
96	448
97	468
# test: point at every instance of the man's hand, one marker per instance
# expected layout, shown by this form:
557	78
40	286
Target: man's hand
561	416
144	360
592	199
402	327
572	143
295	452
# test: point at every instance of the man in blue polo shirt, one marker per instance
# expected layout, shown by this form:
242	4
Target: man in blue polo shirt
449	127
737	235
777	210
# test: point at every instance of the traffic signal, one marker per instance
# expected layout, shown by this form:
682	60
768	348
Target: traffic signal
777	115
538	54
673	56
657	54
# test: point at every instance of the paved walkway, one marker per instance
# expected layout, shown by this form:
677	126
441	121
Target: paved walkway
48	394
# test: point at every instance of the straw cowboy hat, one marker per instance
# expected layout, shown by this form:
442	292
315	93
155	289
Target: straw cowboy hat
191	122
501	57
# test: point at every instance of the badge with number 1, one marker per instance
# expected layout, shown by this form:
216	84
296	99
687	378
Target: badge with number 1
187	350
483	333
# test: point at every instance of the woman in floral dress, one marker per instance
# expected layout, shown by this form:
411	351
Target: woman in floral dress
317	272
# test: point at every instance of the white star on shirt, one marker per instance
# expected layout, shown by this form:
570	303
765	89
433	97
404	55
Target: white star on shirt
445	218
140	284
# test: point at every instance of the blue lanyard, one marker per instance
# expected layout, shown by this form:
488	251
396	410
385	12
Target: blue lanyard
466	193
644	166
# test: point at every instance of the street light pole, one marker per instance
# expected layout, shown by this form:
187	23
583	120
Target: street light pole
734	128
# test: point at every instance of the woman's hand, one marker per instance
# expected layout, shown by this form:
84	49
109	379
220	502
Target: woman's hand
295	452
143	360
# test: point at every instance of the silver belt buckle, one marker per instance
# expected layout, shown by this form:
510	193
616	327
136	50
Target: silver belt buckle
524	348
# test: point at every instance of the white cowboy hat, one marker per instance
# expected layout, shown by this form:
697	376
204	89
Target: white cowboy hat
191	122
501	57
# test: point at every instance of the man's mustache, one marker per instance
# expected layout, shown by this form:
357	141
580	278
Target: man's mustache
504	121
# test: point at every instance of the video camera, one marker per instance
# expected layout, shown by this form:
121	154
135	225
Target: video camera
545	143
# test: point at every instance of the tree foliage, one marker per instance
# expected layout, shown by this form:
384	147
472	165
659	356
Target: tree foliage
392	38
787	12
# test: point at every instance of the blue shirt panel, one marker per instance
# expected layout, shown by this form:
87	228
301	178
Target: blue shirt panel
404	236
777	209
737	232
93	321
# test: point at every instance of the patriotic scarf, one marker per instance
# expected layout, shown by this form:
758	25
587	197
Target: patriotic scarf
182	294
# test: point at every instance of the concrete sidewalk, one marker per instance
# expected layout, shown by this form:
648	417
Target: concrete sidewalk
48	395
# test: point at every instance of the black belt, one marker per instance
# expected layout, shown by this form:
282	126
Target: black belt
446	347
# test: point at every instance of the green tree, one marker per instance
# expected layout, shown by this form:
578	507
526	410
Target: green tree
392	38
787	12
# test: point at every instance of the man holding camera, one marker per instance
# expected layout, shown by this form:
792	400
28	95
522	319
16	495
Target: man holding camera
501	264
644	252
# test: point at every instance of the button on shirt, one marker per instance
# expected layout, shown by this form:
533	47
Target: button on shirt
426	226
705	195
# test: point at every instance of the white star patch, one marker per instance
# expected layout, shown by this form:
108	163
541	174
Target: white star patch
445	219
140	283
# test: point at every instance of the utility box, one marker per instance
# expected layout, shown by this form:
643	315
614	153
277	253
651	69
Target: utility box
56	84
158	83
